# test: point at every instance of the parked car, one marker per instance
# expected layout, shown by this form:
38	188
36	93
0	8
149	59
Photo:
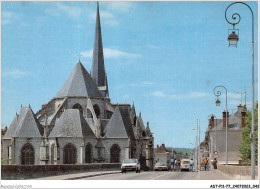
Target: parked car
159	166
185	164
131	165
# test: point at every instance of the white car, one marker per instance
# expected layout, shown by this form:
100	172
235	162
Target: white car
159	166
185	164
130	165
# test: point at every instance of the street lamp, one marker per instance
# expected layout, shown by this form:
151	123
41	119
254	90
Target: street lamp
233	38
234	16
217	94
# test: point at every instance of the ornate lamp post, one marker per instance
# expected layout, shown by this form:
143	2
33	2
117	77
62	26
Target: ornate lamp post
217	94
234	40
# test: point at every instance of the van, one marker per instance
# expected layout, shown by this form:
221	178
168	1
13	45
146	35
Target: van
185	164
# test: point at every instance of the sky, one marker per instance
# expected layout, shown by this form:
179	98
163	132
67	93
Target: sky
166	57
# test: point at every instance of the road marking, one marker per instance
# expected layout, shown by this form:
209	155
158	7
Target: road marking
159	176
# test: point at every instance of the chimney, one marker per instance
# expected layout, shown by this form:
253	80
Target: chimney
243	115
239	108
224	119
157	145
163	145
212	121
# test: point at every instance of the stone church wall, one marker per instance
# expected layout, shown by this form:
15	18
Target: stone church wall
63	142
20	142
6	143
82	101
122	143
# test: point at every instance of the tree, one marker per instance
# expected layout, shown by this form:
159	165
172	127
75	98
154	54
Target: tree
245	145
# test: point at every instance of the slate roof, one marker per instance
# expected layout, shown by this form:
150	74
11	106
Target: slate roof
140	122
72	124
119	125
27	125
98	67
12	128
234	123
79	83
132	113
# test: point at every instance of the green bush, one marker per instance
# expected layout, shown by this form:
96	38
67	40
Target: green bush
245	145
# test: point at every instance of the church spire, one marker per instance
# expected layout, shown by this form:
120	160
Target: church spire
98	67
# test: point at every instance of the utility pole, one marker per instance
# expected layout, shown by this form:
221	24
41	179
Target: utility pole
198	145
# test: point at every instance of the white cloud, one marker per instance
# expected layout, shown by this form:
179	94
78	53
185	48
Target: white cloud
15	74
142	84
72	11
181	96
106	15
52	12
158	94
114	53
198	95
234	102
23	24
176	96
126	96
107	18
234	95
119	6
7	16
110	53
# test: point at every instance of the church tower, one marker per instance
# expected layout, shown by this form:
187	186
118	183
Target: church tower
98	72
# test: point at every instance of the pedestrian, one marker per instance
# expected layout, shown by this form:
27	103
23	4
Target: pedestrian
172	166
179	165
191	164
176	165
205	161
214	163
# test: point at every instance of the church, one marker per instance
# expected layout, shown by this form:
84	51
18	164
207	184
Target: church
80	124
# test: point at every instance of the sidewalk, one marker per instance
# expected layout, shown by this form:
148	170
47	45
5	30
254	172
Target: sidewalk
210	175
74	176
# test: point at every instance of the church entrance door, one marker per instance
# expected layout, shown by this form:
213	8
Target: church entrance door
115	154
70	154
27	155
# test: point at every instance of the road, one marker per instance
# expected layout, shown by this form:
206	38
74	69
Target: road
148	175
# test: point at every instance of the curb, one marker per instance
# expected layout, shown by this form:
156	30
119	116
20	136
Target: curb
86	176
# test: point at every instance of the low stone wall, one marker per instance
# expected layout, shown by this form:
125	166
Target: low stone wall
237	172
20	172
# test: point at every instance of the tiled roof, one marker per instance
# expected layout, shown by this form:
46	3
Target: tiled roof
72	124
28	125
119	125
79	83
160	149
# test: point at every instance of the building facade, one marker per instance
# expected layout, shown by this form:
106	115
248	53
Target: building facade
214	145
80	124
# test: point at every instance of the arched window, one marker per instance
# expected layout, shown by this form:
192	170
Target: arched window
109	114
27	155
78	106
143	133
89	114
52	154
115	154
70	154
97	110
88	153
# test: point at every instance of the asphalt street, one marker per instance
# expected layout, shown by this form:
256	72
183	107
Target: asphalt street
148	175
